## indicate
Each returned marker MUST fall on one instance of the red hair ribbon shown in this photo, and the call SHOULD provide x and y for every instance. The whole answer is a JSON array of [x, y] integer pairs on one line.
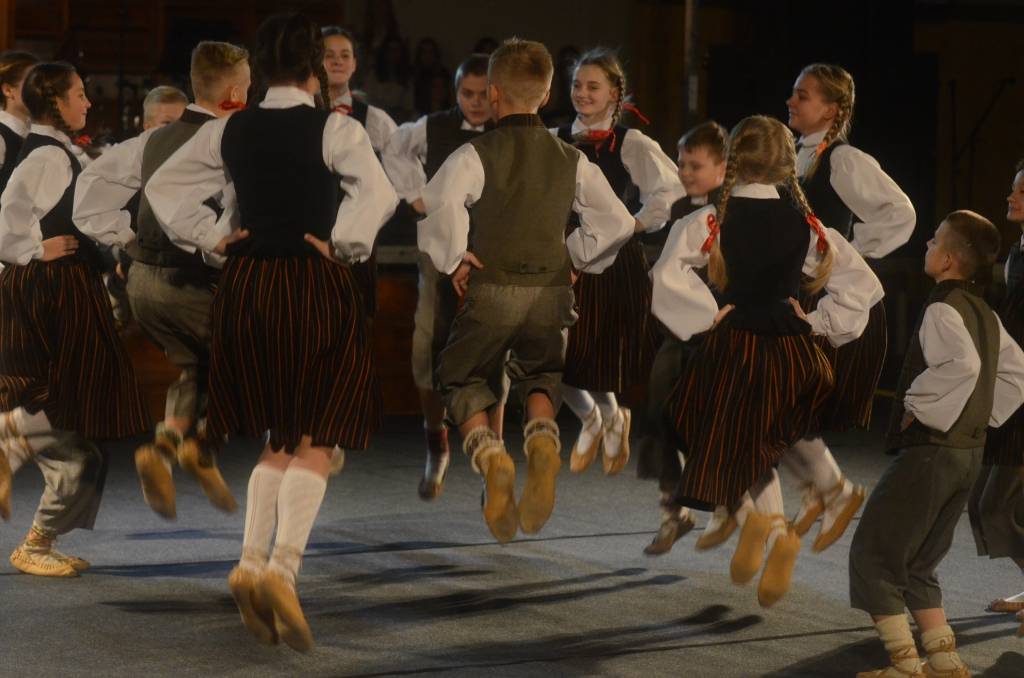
[[344, 109], [712, 234], [819, 229], [636, 111], [82, 140], [231, 105]]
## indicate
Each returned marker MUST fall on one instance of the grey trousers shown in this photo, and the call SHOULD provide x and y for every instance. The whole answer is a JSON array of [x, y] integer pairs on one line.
[[907, 529], [996, 508], [521, 330], [177, 319]]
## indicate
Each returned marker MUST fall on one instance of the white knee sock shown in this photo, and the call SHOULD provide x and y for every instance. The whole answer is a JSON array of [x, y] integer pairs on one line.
[[607, 403], [298, 502], [895, 634], [940, 645], [580, 402], [767, 495], [819, 465], [260, 515]]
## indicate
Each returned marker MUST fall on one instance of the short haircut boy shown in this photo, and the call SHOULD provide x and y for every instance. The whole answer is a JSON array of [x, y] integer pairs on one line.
[[709, 135], [521, 70], [474, 64], [976, 244], [212, 64], [164, 94]]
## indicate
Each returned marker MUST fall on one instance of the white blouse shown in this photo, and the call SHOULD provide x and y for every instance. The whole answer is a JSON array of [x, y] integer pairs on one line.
[[196, 172], [16, 125], [379, 124], [405, 154], [687, 307]]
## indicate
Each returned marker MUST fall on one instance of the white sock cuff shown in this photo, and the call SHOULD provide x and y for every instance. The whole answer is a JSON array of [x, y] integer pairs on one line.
[[932, 636]]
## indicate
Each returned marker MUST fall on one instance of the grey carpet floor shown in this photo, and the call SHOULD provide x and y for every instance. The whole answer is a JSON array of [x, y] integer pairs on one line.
[[394, 586]]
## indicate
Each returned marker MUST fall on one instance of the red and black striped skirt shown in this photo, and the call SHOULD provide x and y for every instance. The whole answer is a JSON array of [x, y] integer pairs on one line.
[[857, 367], [1005, 445], [290, 353], [742, 401], [612, 345], [60, 351]]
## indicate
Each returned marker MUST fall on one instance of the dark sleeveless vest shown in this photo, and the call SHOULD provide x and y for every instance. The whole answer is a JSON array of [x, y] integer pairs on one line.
[[12, 145], [1014, 267], [58, 220], [275, 159], [824, 200], [610, 161], [444, 136]]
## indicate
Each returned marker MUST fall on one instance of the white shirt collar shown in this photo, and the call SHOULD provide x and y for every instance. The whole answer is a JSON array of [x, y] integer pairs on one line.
[[578, 126], [812, 140], [196, 108], [286, 96], [51, 131], [760, 191], [17, 125], [698, 200], [343, 99], [472, 128]]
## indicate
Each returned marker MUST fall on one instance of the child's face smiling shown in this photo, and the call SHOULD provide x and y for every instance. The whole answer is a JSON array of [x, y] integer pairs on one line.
[[339, 60], [1015, 201], [699, 171], [74, 105], [808, 110], [592, 93]]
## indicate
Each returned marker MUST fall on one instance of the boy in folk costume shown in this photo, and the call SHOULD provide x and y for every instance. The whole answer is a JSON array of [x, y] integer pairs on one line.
[[411, 158], [520, 184], [170, 290], [961, 374]]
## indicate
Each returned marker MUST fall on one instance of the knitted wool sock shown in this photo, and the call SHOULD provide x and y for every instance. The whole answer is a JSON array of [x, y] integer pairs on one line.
[[895, 635], [260, 514], [298, 503], [940, 646]]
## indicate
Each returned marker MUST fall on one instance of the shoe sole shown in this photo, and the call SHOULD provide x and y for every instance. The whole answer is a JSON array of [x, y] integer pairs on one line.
[[618, 462], [244, 592], [289, 623], [157, 483], [538, 500], [660, 547], [778, 570], [1004, 607], [209, 477], [804, 525], [66, 572], [749, 556], [710, 540], [826, 539], [499, 503]]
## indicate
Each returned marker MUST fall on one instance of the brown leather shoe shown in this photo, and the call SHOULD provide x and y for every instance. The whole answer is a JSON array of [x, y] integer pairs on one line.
[[672, 530], [157, 483], [41, 563], [289, 621], [538, 498], [434, 474], [847, 509], [499, 501], [613, 465], [589, 442], [201, 466], [749, 555], [259, 619], [716, 533], [778, 570], [79, 564]]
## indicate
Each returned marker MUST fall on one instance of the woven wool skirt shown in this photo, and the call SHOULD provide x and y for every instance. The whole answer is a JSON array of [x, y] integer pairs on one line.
[[290, 354], [612, 345], [743, 399], [60, 352], [1005, 445], [857, 367]]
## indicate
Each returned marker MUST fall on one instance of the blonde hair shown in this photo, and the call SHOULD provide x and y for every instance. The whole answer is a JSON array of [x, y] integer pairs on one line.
[[164, 94], [521, 70], [836, 87], [761, 151], [609, 63], [212, 64]]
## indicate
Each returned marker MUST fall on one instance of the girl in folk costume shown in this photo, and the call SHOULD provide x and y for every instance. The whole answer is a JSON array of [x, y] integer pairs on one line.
[[848, 190], [14, 115], [289, 350], [996, 503], [758, 377], [612, 345], [53, 311]]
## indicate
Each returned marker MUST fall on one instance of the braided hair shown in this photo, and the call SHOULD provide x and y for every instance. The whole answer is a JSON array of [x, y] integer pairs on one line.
[[290, 49], [761, 151], [609, 63], [44, 85], [836, 86], [13, 65]]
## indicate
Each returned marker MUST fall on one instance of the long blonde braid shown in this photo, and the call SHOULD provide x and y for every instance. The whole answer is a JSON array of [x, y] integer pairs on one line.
[[717, 273], [836, 86], [824, 268]]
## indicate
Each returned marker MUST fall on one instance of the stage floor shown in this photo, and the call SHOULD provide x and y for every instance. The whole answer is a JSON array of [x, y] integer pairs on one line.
[[395, 586]]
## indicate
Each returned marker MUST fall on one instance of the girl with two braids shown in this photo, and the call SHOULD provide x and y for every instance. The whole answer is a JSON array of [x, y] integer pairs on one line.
[[612, 345], [850, 193], [290, 353], [65, 378], [758, 376]]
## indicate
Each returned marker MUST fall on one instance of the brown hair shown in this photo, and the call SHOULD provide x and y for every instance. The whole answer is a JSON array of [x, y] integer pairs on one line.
[[836, 87], [212, 64], [709, 135], [609, 63], [975, 244], [13, 65], [474, 64], [164, 94], [522, 70], [761, 151], [44, 84]]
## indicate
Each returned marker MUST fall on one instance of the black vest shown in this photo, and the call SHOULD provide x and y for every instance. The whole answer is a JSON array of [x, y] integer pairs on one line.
[[12, 145], [610, 161], [359, 111], [275, 159], [1014, 268], [58, 220], [444, 136], [824, 200]]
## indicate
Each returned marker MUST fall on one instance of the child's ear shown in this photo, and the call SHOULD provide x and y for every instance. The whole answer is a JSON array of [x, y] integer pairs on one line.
[[544, 102]]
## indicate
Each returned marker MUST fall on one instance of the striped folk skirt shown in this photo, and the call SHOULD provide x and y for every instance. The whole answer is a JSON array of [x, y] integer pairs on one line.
[[290, 353], [742, 401], [857, 367], [612, 345], [1005, 445], [60, 352]]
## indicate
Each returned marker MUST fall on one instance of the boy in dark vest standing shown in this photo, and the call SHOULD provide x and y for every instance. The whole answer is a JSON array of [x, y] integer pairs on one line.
[[518, 185], [961, 374], [170, 290], [411, 158]]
